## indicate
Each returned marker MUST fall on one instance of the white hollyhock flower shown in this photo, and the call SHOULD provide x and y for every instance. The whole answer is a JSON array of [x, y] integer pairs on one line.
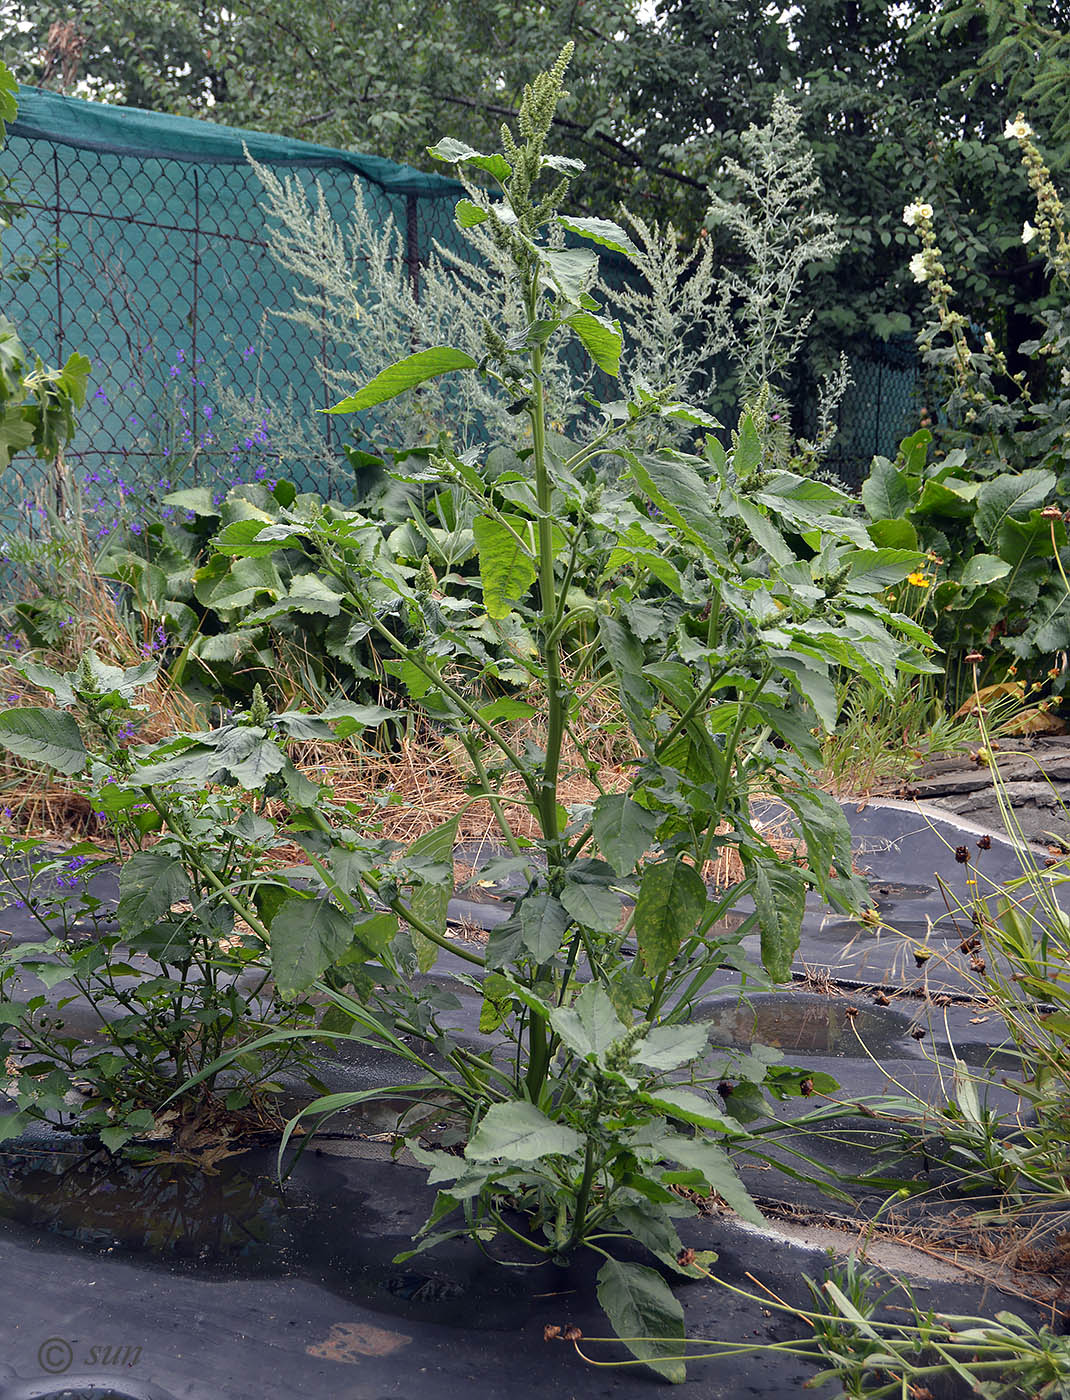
[[918, 269], [1028, 232], [913, 212], [1018, 129]]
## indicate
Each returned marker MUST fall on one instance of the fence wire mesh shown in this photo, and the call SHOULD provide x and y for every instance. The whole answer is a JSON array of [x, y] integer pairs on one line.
[[155, 264]]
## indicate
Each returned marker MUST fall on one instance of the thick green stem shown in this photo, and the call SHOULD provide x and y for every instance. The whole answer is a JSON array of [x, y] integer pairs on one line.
[[557, 709]]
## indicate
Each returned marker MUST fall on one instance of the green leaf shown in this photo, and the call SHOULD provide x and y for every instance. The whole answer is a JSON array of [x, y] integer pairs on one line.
[[590, 1026], [602, 339], [506, 562], [626, 656], [983, 569], [874, 570], [46, 679], [893, 534], [518, 1132], [593, 906], [570, 270], [543, 921], [458, 153], [671, 900], [668, 1047], [16, 433], [717, 1170], [9, 91], [149, 883], [43, 736], [1012, 495], [308, 936], [779, 900], [623, 831], [198, 500], [885, 492], [115, 1136], [224, 585], [405, 374], [602, 231], [681, 494], [762, 530], [747, 453], [643, 1311], [469, 214], [689, 1108], [308, 594]]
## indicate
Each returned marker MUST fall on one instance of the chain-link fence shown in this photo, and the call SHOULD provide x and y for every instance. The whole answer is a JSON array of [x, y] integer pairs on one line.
[[146, 241]]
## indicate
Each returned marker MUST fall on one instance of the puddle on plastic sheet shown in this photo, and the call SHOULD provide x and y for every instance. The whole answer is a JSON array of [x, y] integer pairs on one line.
[[811, 1025], [241, 1222]]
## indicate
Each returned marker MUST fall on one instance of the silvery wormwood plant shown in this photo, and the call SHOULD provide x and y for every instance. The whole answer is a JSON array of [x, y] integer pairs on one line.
[[726, 596]]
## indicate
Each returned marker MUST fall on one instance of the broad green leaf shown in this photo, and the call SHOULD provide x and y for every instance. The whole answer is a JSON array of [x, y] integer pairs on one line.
[[9, 92], [506, 562], [308, 593], [226, 584], [518, 1132], [747, 453], [626, 656], [602, 231], [249, 757], [346, 718], [469, 214], [673, 679], [643, 1311], [543, 921], [717, 1169], [689, 1108], [670, 903], [16, 433], [457, 153], [893, 534], [405, 374], [983, 569], [680, 493], [50, 737], [570, 270], [874, 570], [1011, 496], [505, 708], [668, 1047], [590, 1026], [779, 899], [308, 936], [885, 492], [594, 906], [762, 530], [198, 500], [601, 338], [46, 679], [239, 537], [813, 682], [149, 883], [623, 831]]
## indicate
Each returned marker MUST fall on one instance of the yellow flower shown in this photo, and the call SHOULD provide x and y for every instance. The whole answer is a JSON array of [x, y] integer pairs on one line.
[[919, 580]]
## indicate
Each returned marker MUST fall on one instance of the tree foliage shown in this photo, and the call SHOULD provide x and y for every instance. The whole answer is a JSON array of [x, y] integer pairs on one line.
[[898, 102]]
